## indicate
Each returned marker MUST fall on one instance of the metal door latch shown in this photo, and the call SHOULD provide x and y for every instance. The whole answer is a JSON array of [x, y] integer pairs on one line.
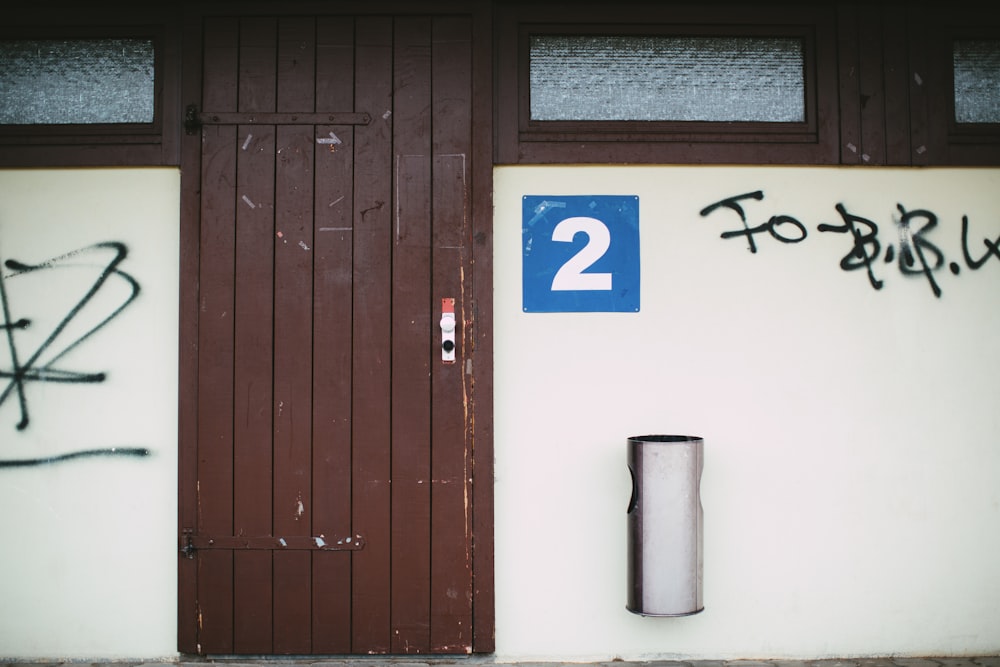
[[448, 331]]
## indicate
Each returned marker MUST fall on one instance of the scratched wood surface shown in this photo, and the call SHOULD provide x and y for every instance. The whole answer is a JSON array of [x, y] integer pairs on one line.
[[451, 557], [324, 408], [333, 335], [253, 150], [216, 344], [371, 419], [411, 328], [293, 257]]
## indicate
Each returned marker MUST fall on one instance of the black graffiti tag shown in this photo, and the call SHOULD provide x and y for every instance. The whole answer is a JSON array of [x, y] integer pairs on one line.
[[866, 248], [771, 226], [918, 255], [40, 364], [914, 247], [992, 249]]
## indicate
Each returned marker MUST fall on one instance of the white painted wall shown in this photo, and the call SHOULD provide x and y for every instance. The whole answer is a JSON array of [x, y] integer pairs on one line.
[[852, 435], [851, 498], [90, 548]]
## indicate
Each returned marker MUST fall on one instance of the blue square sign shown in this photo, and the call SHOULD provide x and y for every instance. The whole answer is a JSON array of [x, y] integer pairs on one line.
[[580, 253]]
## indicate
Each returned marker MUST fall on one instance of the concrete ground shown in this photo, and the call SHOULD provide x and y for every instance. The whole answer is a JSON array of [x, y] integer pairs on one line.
[[485, 661]]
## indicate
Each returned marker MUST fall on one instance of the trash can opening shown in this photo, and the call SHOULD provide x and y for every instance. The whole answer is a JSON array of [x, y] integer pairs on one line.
[[665, 438]]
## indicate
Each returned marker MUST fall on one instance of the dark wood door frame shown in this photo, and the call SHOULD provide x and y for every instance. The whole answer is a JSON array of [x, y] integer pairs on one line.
[[479, 356]]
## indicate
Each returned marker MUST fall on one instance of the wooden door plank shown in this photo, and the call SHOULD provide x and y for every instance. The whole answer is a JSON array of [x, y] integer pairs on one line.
[[215, 336], [332, 275], [849, 61], [296, 87], [252, 445], [411, 337], [257, 65], [480, 339], [372, 322], [451, 548], [292, 602], [215, 438], [293, 275], [253, 368], [187, 427]]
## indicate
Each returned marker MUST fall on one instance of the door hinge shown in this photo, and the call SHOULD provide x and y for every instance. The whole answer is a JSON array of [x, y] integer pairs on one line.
[[191, 543], [187, 544], [192, 125]]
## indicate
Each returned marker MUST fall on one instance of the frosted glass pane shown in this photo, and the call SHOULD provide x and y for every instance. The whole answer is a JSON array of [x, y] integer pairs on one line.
[[587, 77], [977, 81], [76, 81]]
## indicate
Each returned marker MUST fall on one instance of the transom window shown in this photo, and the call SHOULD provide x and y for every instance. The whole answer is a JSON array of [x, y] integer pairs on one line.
[[977, 80], [666, 78], [77, 81]]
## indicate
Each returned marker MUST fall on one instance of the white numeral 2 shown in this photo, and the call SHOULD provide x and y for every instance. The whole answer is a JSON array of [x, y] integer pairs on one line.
[[571, 275]]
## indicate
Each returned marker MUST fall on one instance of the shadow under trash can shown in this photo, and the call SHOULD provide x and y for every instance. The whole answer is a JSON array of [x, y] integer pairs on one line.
[[665, 525]]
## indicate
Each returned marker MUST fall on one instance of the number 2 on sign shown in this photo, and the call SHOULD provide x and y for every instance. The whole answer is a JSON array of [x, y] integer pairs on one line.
[[571, 275]]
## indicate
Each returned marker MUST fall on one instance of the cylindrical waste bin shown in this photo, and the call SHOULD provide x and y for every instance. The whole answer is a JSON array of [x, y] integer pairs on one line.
[[665, 525]]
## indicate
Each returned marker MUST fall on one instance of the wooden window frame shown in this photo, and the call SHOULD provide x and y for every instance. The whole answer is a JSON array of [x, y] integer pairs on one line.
[[101, 144], [937, 139], [523, 140], [967, 142]]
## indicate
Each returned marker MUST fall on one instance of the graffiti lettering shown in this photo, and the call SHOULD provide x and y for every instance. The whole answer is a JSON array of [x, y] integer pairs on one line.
[[87, 453], [992, 248], [866, 246], [770, 226], [918, 255], [40, 364], [913, 244]]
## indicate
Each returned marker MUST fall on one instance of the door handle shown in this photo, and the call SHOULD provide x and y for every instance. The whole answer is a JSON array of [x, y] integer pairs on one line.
[[448, 331]]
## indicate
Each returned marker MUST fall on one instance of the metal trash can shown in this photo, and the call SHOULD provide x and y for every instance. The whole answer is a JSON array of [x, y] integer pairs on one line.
[[665, 525]]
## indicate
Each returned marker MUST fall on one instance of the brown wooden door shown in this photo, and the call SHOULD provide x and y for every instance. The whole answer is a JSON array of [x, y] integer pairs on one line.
[[326, 494]]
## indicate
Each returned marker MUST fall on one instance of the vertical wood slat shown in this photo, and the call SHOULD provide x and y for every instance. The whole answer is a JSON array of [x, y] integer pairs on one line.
[[480, 353], [257, 65], [190, 238], [897, 87], [253, 377], [372, 322], [411, 337], [872, 86], [451, 575], [293, 275], [508, 92], [333, 248], [832, 130], [296, 87], [928, 146], [215, 469], [252, 443], [849, 81], [215, 343]]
